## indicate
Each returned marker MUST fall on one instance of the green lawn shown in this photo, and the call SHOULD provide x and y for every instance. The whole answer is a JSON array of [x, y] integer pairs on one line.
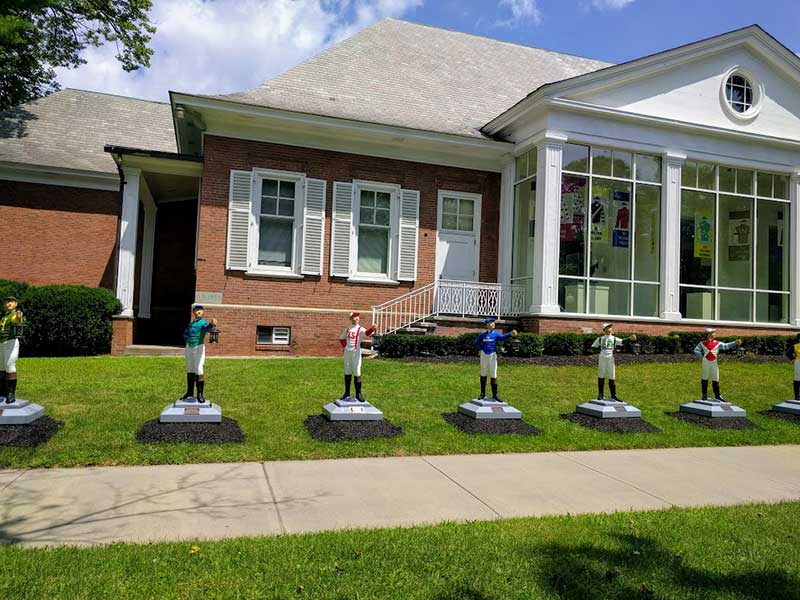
[[103, 401], [740, 553]]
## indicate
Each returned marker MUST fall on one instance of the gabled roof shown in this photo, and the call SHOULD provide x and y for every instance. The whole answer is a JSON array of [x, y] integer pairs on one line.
[[416, 76], [69, 129]]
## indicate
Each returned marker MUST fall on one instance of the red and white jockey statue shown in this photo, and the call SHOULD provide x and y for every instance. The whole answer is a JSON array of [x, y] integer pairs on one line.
[[708, 350], [350, 340]]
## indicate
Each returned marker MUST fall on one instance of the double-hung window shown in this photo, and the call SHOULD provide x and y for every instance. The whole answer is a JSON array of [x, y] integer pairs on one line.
[[277, 209], [375, 216]]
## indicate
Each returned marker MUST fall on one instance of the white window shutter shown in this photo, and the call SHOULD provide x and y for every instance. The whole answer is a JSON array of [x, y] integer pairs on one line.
[[314, 226], [408, 233], [341, 228], [239, 220]]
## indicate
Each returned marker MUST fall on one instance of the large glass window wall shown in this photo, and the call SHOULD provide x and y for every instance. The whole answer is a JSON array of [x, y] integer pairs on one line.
[[524, 230]]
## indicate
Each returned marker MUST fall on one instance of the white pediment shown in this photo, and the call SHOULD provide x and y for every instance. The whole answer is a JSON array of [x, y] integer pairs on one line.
[[690, 90]]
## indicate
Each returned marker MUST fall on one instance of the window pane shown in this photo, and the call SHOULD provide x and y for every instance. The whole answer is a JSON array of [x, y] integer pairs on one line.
[[622, 164], [466, 207], [696, 303], [609, 298], [382, 199], [269, 187], [744, 182], [573, 225], [735, 306], [367, 216], [532, 161], [275, 243], [689, 174], [705, 176], [523, 233], [736, 242], [727, 179], [781, 187], [367, 198], [648, 168], [772, 256], [772, 308], [450, 205], [263, 335], [764, 185], [521, 169], [610, 230], [645, 300], [601, 161], [382, 217], [575, 158], [697, 238], [287, 189], [647, 232], [449, 221], [572, 295], [465, 223], [373, 250], [269, 206], [286, 208]]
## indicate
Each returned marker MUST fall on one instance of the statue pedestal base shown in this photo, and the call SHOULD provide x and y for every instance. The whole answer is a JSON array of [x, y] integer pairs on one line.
[[713, 408], [20, 412], [486, 408], [608, 409], [351, 409], [191, 411], [791, 407]]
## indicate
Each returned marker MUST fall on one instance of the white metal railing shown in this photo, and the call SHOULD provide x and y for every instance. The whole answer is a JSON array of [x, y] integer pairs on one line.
[[448, 297]]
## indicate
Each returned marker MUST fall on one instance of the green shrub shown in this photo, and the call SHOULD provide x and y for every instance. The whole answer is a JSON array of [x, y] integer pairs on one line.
[[529, 345], [12, 288], [564, 344], [666, 344], [68, 320]]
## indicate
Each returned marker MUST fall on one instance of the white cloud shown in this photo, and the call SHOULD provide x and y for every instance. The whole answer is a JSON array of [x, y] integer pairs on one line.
[[222, 46], [611, 4], [522, 10]]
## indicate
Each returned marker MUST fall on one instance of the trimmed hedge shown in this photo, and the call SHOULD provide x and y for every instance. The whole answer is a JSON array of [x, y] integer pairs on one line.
[[12, 288], [66, 320], [565, 344]]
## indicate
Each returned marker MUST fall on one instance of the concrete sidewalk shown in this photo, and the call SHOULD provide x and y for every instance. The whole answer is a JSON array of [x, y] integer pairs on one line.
[[213, 501]]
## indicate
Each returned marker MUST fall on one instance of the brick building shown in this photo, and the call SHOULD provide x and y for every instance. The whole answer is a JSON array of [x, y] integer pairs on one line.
[[424, 176]]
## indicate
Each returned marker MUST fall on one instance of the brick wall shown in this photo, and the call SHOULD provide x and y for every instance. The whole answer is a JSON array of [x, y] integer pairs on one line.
[[221, 155], [58, 234]]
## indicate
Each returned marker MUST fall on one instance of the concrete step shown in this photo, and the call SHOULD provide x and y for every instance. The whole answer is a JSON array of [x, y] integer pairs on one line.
[[145, 350]]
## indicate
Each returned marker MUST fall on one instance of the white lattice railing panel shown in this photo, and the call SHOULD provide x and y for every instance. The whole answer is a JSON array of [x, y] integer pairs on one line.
[[446, 297]]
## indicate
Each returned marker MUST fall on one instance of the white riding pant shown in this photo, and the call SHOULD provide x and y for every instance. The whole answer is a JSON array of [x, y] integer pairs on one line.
[[489, 365], [711, 369], [195, 359], [10, 353], [606, 369], [352, 362]]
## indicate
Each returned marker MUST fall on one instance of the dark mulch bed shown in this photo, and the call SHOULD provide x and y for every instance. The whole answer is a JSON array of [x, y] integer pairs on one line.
[[621, 425], [324, 430], [226, 432], [775, 414], [28, 436], [469, 425], [715, 422], [588, 360]]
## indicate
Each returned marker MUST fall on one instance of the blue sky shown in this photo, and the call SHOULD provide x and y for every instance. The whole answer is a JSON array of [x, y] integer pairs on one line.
[[221, 46]]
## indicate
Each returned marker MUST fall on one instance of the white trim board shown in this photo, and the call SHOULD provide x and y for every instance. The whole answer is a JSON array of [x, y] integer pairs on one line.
[[61, 177]]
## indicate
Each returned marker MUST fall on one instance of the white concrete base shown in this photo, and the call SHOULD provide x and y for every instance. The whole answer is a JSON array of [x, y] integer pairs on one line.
[[191, 411], [350, 409], [791, 407], [608, 409], [713, 408], [20, 412], [487, 408]]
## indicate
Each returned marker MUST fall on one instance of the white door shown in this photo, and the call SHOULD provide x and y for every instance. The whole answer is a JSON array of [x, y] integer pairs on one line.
[[458, 236]]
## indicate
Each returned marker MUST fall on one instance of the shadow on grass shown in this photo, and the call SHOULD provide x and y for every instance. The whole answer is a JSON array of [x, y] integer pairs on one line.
[[588, 572]]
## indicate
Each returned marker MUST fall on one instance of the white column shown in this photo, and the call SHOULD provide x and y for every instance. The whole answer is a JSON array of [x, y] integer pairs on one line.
[[126, 262], [148, 249], [548, 225], [672, 166], [506, 233], [794, 255]]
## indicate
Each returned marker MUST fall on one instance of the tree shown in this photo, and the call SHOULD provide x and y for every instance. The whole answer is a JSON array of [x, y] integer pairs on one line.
[[36, 36]]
